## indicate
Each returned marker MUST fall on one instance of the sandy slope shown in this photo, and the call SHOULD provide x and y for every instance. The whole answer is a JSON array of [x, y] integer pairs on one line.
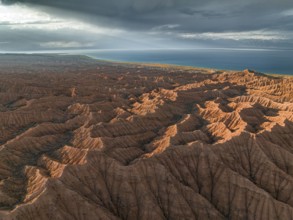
[[106, 141]]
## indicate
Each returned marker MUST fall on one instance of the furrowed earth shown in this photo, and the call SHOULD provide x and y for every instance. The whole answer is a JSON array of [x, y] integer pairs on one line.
[[88, 139]]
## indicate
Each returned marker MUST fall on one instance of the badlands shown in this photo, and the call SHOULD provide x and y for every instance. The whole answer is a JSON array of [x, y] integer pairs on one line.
[[87, 139]]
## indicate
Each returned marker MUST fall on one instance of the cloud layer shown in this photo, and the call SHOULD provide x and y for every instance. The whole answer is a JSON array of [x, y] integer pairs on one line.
[[130, 24]]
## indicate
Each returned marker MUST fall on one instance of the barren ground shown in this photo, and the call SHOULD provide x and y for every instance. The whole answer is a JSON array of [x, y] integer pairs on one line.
[[85, 139]]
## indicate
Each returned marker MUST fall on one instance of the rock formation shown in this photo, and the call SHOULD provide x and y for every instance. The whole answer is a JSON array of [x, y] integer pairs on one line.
[[144, 142]]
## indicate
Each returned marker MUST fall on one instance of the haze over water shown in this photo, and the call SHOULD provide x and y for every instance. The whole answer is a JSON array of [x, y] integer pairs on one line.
[[267, 61]]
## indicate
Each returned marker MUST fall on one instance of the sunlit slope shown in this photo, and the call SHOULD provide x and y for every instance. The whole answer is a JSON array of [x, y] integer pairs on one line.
[[97, 140]]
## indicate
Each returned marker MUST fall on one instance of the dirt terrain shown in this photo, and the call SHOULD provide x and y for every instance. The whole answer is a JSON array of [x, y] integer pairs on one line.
[[85, 139]]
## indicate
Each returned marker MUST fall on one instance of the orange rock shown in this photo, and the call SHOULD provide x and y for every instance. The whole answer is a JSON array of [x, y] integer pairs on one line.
[[145, 142]]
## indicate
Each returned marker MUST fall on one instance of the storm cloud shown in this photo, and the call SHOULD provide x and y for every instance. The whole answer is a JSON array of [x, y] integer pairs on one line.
[[138, 24]]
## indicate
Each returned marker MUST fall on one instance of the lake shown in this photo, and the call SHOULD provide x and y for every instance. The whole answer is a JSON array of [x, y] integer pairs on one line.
[[267, 61]]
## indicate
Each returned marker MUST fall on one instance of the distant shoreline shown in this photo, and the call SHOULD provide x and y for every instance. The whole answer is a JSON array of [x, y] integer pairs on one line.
[[182, 66], [265, 61], [150, 64], [146, 64]]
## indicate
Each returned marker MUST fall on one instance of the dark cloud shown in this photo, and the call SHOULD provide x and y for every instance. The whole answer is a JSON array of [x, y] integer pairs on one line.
[[171, 22]]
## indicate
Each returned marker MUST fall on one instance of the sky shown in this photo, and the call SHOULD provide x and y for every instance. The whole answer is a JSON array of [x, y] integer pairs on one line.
[[41, 25]]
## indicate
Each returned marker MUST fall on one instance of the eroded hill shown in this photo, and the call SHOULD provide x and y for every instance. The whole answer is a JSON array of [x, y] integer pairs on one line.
[[95, 140]]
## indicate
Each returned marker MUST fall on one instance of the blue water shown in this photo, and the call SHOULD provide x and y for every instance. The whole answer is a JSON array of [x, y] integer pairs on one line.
[[266, 61]]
